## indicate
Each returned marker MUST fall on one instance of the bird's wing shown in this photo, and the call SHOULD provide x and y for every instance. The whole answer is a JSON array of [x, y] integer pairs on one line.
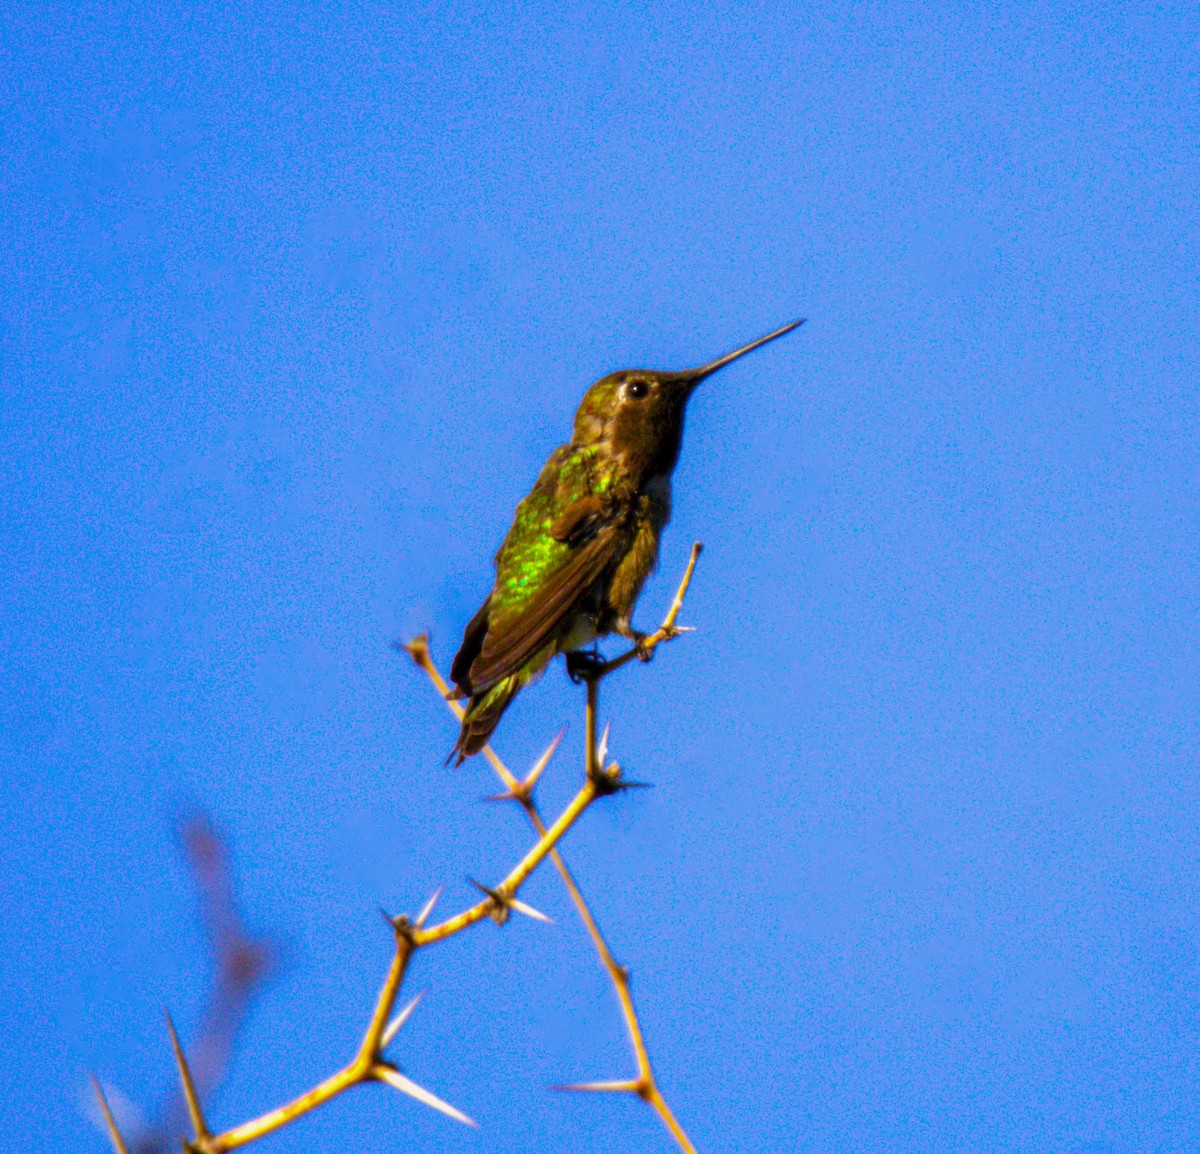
[[472, 643], [559, 572]]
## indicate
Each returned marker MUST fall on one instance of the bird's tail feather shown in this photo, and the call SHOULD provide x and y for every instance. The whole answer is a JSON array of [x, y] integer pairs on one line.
[[482, 715]]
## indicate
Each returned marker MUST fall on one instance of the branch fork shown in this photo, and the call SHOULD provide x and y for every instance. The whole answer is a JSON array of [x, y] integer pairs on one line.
[[368, 1064], [607, 777]]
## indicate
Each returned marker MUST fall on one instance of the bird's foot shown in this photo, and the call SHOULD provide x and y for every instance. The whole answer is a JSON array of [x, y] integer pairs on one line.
[[645, 652], [584, 665]]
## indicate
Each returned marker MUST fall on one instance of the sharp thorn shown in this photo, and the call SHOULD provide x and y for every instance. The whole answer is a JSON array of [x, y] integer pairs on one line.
[[189, 1087], [528, 910], [398, 1081], [602, 752], [543, 761], [393, 1027], [114, 1135], [493, 894], [427, 908], [417, 648], [500, 904], [625, 1087], [507, 795], [503, 904]]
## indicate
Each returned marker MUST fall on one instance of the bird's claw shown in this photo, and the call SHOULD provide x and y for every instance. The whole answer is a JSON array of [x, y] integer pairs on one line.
[[583, 666]]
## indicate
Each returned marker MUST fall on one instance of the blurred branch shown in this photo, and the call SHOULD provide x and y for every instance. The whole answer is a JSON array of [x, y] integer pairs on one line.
[[242, 965], [369, 1063], [521, 791]]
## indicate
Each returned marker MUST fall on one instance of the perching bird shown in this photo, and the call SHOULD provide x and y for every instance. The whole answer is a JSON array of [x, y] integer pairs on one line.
[[583, 541]]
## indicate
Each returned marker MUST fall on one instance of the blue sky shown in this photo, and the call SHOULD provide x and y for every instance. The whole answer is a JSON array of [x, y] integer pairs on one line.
[[293, 305]]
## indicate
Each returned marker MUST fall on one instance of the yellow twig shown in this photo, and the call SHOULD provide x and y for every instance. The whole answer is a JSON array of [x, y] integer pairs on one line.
[[644, 1085], [667, 631], [372, 1041], [357, 1071], [509, 886], [367, 1064]]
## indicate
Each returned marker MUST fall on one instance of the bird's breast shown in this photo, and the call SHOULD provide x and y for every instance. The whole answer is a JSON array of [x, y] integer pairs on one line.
[[657, 492]]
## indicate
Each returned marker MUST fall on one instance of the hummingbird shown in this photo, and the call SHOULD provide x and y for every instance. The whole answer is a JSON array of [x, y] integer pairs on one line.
[[582, 543]]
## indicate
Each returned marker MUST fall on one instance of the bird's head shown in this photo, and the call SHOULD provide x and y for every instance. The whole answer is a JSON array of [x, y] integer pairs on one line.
[[638, 413]]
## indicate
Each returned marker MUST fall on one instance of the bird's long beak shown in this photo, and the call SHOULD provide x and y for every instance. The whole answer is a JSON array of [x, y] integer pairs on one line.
[[692, 377]]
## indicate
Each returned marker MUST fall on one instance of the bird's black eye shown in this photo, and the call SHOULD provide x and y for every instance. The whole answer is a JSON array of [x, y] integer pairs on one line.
[[637, 389]]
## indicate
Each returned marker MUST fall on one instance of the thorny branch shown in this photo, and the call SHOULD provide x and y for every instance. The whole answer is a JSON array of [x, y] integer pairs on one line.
[[521, 791], [369, 1063]]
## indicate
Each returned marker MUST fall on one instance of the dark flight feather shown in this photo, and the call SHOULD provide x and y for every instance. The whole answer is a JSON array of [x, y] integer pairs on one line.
[[472, 643]]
